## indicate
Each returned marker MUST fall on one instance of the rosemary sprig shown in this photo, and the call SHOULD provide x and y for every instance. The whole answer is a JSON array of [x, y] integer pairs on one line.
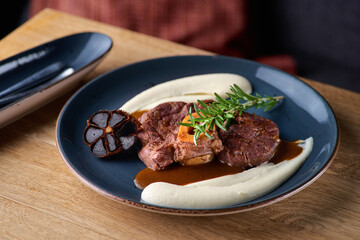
[[221, 112]]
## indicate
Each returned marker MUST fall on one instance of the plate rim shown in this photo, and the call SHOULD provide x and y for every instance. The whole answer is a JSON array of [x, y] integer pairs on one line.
[[195, 212]]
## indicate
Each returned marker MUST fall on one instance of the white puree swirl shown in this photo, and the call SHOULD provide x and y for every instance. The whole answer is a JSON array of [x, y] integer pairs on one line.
[[187, 89], [227, 190]]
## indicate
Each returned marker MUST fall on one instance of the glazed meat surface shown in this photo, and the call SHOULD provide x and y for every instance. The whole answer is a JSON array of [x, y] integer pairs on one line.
[[159, 137], [159, 133], [249, 141], [205, 146]]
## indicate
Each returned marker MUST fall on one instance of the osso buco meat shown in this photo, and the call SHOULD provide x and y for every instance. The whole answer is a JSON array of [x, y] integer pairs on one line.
[[249, 141]]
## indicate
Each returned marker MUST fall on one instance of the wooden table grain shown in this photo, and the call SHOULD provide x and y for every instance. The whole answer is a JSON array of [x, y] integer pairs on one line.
[[41, 199]]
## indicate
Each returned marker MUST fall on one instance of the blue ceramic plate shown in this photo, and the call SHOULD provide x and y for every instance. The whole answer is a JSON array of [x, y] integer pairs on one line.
[[76, 55], [304, 113]]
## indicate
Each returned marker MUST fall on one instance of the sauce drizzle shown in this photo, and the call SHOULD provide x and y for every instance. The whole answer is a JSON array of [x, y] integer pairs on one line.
[[138, 114], [182, 175], [286, 150]]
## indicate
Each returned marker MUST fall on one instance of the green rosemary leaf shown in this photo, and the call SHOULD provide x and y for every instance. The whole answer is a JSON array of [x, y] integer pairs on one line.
[[212, 124], [198, 112], [198, 127], [270, 106], [203, 104], [217, 122], [221, 112], [221, 118], [228, 122], [201, 119], [220, 99], [185, 124], [208, 135], [196, 136], [191, 116], [229, 115], [205, 112]]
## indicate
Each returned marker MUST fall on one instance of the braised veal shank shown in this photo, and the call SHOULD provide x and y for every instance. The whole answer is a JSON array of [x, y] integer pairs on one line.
[[249, 141], [159, 137]]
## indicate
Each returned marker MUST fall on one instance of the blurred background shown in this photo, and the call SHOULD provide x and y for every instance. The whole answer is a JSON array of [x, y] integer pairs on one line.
[[319, 39]]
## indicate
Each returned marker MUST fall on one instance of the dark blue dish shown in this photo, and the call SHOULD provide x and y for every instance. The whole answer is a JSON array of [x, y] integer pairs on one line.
[[302, 114], [32, 78]]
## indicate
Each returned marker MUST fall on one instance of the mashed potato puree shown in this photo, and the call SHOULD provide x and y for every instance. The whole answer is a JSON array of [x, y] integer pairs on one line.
[[227, 190], [187, 89]]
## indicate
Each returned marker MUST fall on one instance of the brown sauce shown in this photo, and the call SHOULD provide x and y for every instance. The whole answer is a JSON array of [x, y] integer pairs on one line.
[[286, 150], [138, 114], [182, 175]]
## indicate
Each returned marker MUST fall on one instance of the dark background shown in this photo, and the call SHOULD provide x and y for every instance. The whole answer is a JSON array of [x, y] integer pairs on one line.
[[323, 35], [12, 14]]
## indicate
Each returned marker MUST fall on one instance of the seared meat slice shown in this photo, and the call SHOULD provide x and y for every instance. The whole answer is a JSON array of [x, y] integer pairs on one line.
[[249, 141], [187, 153], [159, 132], [157, 155], [160, 122], [161, 147]]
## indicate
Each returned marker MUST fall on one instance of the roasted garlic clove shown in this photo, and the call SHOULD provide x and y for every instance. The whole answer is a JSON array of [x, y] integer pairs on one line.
[[110, 132]]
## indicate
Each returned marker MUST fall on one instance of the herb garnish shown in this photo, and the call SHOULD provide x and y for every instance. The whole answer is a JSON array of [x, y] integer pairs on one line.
[[221, 112]]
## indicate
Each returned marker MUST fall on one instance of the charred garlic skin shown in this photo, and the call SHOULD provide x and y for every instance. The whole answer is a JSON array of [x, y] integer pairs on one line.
[[110, 132]]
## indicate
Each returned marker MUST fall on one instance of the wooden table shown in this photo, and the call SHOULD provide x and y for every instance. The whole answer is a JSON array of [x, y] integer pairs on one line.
[[41, 199]]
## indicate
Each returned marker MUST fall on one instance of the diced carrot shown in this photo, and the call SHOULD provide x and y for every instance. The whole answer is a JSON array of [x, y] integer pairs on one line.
[[186, 134]]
